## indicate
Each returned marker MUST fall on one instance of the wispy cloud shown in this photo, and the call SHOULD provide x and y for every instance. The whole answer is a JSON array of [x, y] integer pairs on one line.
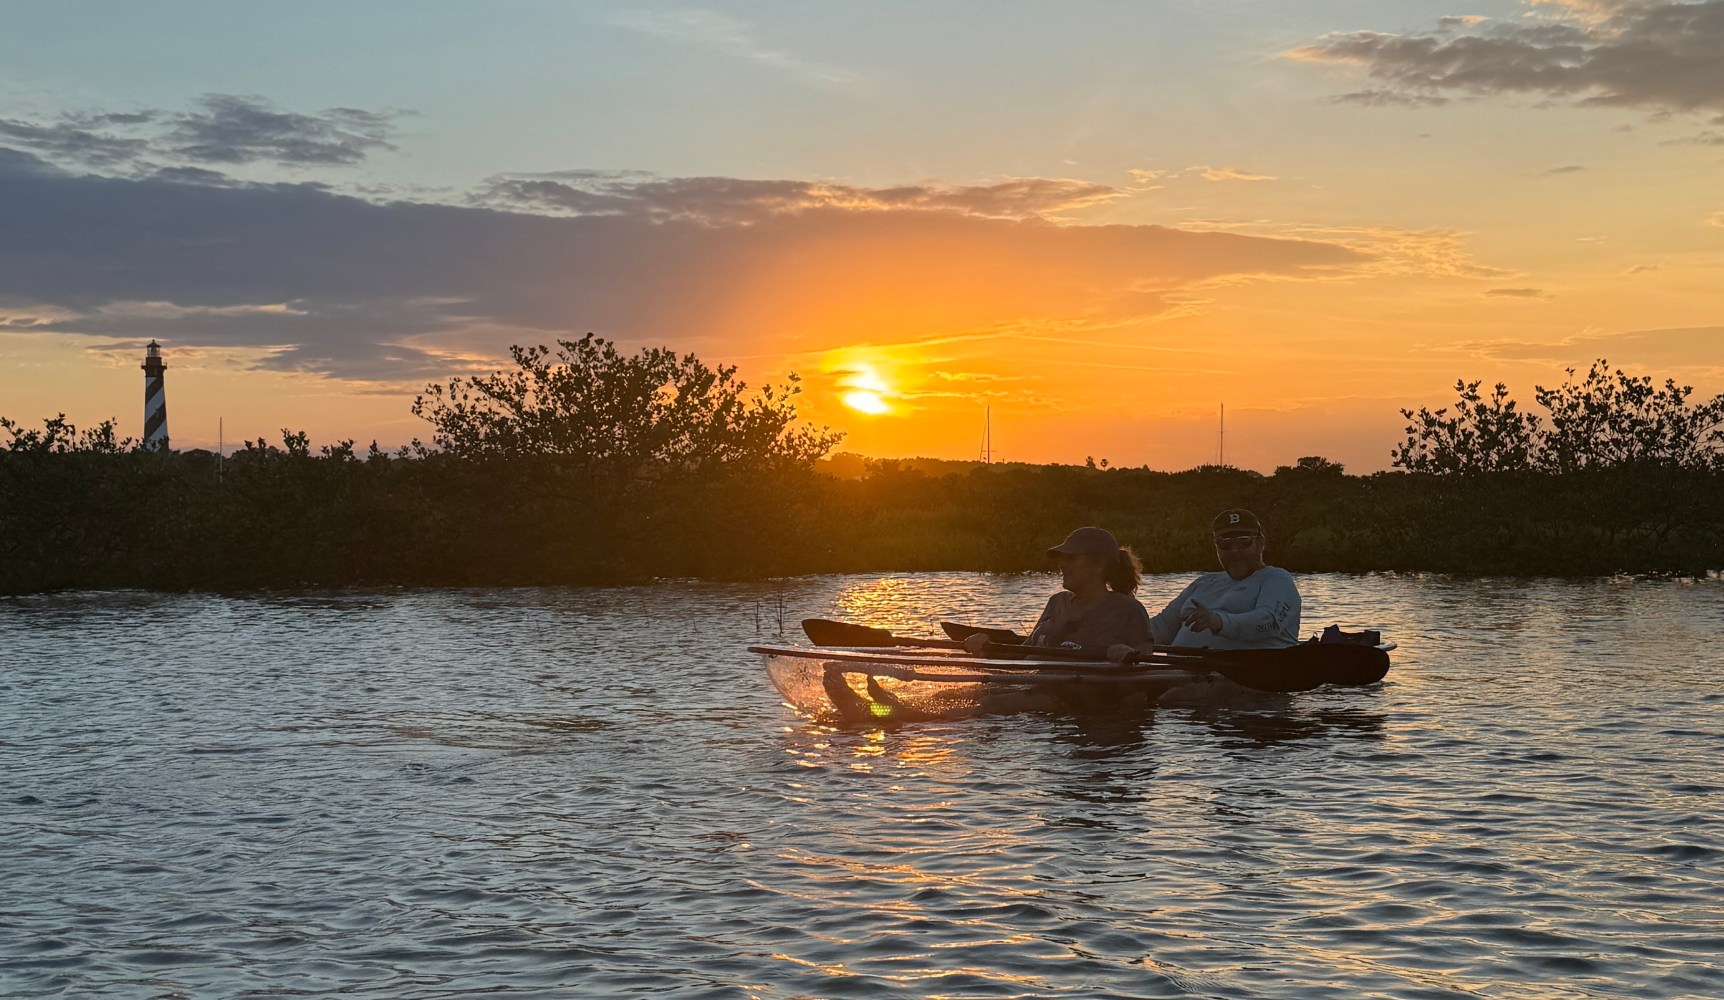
[[717, 32], [1674, 348], [729, 200], [74, 139], [220, 129], [232, 129], [1716, 219], [1517, 293], [1382, 98], [1210, 173], [1387, 250]]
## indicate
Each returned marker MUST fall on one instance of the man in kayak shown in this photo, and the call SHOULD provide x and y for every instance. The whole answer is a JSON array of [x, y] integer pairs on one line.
[[1248, 605]]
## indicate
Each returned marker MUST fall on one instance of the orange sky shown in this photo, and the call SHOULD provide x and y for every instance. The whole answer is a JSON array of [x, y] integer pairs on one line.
[[1330, 221]]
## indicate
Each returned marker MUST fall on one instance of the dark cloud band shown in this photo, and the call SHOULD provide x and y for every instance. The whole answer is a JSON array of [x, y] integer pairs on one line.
[[351, 288]]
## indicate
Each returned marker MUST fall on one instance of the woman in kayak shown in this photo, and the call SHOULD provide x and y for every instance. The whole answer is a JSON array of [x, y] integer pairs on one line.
[[1096, 609]]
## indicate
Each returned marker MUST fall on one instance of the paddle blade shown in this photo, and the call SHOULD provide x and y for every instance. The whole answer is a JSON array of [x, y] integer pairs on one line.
[[962, 632], [822, 632]]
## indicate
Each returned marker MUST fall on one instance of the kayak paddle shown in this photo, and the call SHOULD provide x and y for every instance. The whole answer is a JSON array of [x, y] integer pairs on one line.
[[824, 632], [961, 632]]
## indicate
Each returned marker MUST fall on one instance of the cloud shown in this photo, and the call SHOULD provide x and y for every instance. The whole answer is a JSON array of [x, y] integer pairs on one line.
[[1517, 293], [1654, 54], [1570, 169], [221, 129], [1440, 253], [724, 34], [17, 163], [1209, 173], [1716, 219], [729, 201], [74, 141], [334, 284], [1391, 98], [1676, 348], [234, 130]]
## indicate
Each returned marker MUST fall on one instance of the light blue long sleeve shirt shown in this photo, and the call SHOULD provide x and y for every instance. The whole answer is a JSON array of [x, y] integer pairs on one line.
[[1258, 612]]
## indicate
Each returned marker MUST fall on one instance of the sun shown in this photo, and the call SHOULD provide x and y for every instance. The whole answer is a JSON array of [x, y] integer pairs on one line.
[[865, 401], [864, 391]]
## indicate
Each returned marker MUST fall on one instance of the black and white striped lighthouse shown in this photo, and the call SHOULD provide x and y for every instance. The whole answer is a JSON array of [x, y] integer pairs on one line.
[[155, 399]]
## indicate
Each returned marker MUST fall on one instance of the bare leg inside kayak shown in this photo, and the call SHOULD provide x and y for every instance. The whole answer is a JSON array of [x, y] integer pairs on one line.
[[896, 710], [849, 705]]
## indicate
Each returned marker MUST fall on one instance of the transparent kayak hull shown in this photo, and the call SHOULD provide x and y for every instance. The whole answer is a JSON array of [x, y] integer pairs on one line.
[[852, 685]]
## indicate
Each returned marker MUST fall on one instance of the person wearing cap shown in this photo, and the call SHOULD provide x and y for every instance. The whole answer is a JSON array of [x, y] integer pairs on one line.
[[1248, 605], [1096, 608]]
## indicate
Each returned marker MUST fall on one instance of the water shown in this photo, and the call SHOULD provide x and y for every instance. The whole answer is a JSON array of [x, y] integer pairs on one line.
[[563, 793]]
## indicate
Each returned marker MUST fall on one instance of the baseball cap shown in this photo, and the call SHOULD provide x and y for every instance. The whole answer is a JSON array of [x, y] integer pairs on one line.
[[1087, 541], [1235, 521]]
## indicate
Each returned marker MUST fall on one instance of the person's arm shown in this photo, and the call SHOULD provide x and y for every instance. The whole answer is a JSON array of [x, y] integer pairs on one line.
[[1165, 624], [1276, 615]]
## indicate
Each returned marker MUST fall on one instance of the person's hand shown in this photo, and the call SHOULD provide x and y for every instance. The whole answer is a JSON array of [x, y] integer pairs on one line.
[[1119, 652], [1200, 619], [977, 645]]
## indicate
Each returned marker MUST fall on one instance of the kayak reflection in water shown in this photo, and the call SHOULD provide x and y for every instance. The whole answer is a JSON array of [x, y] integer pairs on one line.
[[1096, 609], [1248, 605]]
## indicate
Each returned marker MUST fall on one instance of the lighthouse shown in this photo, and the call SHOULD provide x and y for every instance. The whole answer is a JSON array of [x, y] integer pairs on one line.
[[155, 399]]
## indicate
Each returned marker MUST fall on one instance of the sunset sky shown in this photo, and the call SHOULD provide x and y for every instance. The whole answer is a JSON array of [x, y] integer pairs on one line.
[[1103, 220]]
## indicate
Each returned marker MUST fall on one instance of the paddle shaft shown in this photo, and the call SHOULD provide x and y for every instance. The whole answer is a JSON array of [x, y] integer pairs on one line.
[[999, 676], [999, 635]]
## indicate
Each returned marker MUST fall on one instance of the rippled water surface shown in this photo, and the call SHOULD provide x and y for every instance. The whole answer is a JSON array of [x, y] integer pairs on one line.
[[594, 793]]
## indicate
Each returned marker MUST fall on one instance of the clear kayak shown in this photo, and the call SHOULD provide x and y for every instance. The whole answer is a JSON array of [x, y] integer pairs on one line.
[[871, 684]]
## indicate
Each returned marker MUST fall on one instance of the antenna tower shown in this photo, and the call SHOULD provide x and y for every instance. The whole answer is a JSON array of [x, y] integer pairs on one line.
[[988, 436], [1221, 439]]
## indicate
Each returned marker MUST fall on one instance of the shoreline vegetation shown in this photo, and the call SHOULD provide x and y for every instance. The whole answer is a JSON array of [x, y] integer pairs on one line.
[[583, 465]]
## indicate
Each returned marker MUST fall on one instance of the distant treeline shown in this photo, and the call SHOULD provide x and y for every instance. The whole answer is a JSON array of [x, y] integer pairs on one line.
[[585, 466]]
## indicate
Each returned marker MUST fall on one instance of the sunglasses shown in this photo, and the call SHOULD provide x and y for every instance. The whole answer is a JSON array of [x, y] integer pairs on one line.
[[1237, 541]]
